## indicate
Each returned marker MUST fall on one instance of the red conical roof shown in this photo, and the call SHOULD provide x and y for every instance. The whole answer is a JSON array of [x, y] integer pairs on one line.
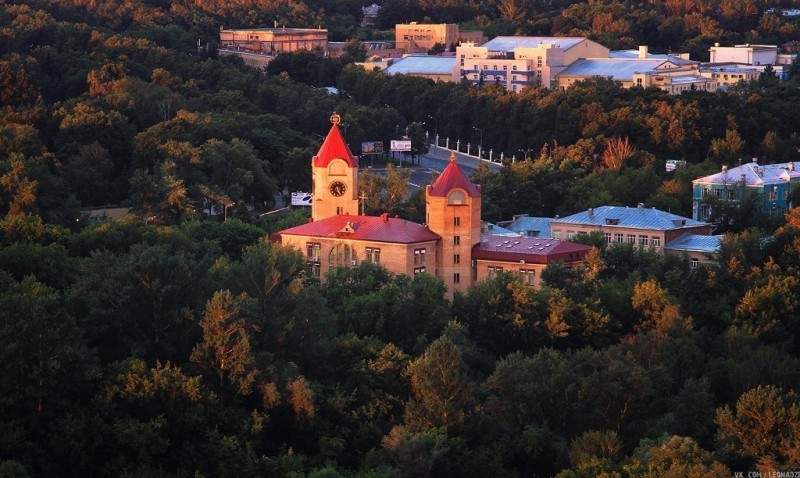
[[452, 178], [334, 147]]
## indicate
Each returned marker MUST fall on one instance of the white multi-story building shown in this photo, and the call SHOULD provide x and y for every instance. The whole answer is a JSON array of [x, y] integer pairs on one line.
[[752, 57], [517, 62]]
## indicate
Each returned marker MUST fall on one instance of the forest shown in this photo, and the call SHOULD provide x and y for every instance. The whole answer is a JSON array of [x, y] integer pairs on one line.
[[179, 341]]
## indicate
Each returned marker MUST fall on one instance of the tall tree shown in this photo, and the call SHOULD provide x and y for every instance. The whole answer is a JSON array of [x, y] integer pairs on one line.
[[225, 348]]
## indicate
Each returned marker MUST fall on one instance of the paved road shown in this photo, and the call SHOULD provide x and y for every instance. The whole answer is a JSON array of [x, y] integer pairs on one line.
[[436, 160]]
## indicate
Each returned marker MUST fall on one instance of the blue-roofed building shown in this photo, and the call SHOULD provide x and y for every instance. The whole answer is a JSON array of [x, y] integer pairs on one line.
[[671, 73], [698, 248], [517, 62], [771, 182], [645, 227], [527, 226], [437, 68]]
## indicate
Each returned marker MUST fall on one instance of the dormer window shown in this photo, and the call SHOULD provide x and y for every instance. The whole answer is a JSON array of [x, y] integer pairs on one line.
[[612, 221]]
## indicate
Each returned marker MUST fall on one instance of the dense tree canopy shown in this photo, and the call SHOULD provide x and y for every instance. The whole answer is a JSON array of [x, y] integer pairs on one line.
[[179, 341]]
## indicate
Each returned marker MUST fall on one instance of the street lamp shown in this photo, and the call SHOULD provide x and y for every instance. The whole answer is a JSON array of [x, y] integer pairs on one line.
[[480, 145], [225, 211]]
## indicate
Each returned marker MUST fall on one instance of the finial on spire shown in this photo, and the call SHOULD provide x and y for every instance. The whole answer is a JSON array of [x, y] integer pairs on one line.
[[335, 118], [452, 155]]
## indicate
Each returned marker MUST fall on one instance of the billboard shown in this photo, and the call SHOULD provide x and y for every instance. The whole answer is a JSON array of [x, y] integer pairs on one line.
[[401, 145], [372, 147], [301, 199], [673, 164]]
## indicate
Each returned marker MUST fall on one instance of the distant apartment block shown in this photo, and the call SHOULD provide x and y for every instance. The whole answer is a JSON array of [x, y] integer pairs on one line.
[[640, 226], [648, 228], [421, 37], [751, 57], [727, 75], [771, 183], [518, 62], [273, 41]]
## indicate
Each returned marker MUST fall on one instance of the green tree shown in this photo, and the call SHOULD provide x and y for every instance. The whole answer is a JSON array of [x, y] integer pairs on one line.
[[674, 456], [765, 426], [442, 394], [419, 140], [225, 348], [44, 360]]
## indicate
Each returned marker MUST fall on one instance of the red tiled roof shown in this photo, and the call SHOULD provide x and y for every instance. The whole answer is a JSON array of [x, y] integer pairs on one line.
[[532, 250], [452, 178], [365, 228], [334, 147]]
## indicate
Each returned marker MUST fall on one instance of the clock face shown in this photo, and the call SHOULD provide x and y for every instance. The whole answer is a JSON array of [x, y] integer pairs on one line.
[[338, 188]]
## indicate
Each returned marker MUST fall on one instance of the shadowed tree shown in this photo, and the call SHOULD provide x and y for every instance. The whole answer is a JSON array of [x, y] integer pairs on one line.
[[442, 393], [225, 348]]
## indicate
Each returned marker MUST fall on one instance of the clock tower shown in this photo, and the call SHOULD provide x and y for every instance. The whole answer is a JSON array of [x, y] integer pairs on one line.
[[334, 181]]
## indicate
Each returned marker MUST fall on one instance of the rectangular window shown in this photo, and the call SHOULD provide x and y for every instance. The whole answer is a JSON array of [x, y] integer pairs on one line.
[[495, 67], [456, 221], [419, 257], [419, 270], [643, 240], [655, 241], [570, 235], [373, 255], [456, 240], [773, 195], [785, 195], [631, 238], [619, 238], [528, 275], [505, 67], [607, 235], [339, 210], [456, 258], [694, 263], [313, 251], [557, 235], [493, 271], [718, 192], [704, 192], [456, 278], [514, 67]]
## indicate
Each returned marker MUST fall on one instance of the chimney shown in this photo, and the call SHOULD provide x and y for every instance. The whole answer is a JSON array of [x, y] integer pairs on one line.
[[724, 168], [790, 166], [640, 205], [643, 52], [385, 217]]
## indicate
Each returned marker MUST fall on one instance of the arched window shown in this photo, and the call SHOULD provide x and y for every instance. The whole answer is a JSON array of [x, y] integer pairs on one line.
[[342, 255], [457, 198], [337, 167]]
